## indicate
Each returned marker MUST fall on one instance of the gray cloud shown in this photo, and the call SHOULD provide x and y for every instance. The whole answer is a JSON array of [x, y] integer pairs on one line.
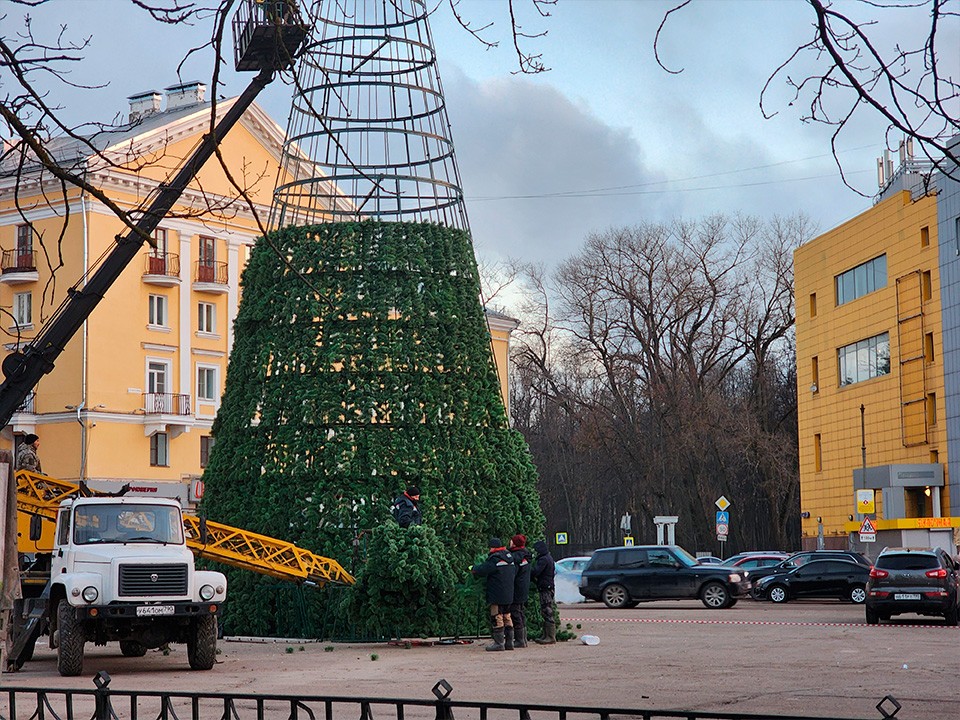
[[516, 138]]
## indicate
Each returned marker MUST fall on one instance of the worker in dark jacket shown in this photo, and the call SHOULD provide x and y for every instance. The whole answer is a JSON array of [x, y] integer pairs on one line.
[[500, 572], [406, 508], [523, 559], [543, 574]]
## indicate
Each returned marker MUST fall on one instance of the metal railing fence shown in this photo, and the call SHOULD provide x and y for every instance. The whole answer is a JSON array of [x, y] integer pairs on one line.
[[102, 703]]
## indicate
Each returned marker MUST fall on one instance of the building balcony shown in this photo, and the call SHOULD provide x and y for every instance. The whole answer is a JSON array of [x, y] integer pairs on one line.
[[211, 277], [27, 406], [166, 413], [161, 269], [166, 404], [18, 267]]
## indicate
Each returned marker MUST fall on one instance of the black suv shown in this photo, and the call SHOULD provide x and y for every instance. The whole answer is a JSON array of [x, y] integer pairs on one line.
[[913, 580], [623, 577]]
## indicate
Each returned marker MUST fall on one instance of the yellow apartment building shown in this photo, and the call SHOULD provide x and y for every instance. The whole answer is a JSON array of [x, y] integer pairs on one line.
[[871, 380], [133, 396]]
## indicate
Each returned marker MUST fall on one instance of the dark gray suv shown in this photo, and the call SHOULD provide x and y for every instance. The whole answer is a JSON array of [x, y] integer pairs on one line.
[[913, 580], [623, 577]]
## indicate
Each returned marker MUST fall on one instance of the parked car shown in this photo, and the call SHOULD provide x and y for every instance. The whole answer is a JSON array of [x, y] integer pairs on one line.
[[828, 577], [572, 565], [623, 577], [805, 556], [709, 560], [768, 557], [759, 565], [913, 580]]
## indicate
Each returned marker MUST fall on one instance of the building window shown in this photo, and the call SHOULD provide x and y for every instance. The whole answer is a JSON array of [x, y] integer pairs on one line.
[[813, 304], [159, 450], [158, 310], [865, 359], [925, 236], [160, 238], [23, 309], [206, 318], [157, 377], [815, 373], [926, 285], [863, 279], [928, 347], [817, 454], [23, 257], [207, 384], [931, 409], [934, 457], [206, 445], [206, 268]]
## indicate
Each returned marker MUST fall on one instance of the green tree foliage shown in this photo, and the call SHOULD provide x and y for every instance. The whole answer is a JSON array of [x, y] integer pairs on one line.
[[360, 366]]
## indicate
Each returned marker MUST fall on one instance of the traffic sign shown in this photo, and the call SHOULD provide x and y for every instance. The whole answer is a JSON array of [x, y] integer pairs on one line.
[[628, 541], [722, 503], [868, 531], [722, 529], [865, 502], [723, 517], [721, 538], [561, 538]]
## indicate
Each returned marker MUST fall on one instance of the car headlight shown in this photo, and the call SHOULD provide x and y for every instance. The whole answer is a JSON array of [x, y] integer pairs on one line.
[[207, 592], [90, 593], [734, 577]]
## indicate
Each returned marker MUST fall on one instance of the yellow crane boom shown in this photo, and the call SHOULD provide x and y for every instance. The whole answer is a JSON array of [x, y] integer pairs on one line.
[[40, 495]]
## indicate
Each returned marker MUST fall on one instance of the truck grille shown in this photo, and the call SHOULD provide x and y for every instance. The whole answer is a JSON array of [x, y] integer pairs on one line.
[[153, 580]]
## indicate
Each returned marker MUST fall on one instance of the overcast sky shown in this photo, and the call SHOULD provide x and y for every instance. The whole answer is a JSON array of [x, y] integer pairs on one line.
[[605, 138]]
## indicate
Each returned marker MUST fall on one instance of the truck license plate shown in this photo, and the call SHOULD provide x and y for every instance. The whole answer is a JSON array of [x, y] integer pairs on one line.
[[906, 596], [150, 610]]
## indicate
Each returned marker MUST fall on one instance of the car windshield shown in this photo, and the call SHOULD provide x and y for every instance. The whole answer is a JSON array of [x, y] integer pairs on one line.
[[127, 523], [684, 557]]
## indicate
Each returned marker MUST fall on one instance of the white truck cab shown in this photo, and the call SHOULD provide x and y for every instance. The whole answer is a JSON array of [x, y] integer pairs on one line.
[[121, 571]]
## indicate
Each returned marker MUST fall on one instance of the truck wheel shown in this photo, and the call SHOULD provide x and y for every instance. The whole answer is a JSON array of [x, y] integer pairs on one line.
[[202, 643], [132, 648], [70, 647]]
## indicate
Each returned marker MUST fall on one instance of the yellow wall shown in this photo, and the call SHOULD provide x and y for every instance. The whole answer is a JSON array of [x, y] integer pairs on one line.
[[892, 227]]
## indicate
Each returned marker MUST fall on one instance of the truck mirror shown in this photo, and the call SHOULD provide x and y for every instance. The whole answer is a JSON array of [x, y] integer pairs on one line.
[[203, 531], [36, 527]]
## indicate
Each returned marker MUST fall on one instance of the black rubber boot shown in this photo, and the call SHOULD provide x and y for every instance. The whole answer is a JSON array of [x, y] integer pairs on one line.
[[549, 635], [520, 636], [508, 638], [497, 643]]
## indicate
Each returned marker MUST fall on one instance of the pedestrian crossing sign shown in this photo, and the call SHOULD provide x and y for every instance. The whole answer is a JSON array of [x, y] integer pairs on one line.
[[628, 541], [561, 538]]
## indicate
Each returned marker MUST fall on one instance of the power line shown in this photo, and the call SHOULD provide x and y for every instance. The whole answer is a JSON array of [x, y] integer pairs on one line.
[[590, 192]]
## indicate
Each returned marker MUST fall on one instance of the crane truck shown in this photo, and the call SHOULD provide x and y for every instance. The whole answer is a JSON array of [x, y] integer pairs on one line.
[[121, 569]]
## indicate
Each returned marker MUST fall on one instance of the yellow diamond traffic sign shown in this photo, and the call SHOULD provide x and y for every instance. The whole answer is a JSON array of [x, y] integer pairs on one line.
[[722, 503]]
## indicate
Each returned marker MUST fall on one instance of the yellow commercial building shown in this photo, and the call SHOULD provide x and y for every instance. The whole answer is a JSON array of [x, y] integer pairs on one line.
[[133, 396], [870, 378]]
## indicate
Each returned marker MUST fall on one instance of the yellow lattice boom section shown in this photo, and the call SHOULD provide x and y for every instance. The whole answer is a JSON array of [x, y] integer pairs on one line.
[[41, 495], [261, 554]]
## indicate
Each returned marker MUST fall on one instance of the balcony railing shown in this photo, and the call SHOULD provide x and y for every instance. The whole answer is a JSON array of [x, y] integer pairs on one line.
[[166, 404], [18, 260], [28, 403], [211, 271], [161, 263]]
